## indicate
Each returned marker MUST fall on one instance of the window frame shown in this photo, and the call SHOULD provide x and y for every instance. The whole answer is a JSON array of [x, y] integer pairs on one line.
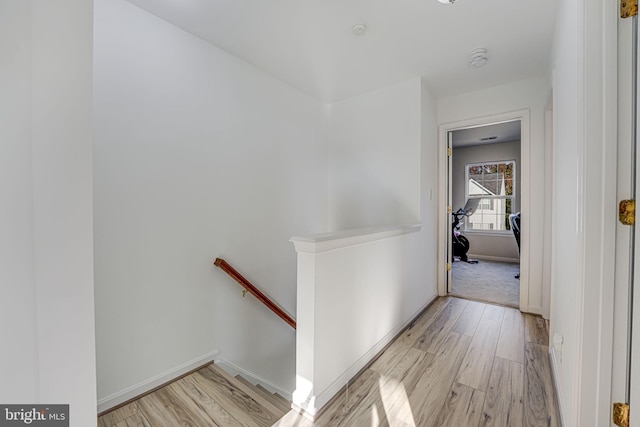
[[467, 166]]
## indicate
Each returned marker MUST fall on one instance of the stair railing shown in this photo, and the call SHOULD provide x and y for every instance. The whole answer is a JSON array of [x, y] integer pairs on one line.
[[249, 287]]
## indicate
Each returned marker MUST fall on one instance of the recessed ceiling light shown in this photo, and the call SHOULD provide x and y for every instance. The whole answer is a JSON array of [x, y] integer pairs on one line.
[[359, 29]]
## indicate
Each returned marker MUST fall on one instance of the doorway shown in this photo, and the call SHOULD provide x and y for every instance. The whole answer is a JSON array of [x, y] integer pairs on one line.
[[485, 201], [492, 155]]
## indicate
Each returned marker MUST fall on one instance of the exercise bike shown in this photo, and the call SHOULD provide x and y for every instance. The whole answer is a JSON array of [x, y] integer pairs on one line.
[[460, 244]]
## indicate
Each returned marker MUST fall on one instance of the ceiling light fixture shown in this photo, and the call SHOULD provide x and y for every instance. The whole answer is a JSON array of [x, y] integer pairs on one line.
[[447, 1], [359, 29], [478, 57]]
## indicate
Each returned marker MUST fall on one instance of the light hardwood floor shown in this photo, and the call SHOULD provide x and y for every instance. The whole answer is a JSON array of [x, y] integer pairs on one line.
[[462, 363], [209, 397]]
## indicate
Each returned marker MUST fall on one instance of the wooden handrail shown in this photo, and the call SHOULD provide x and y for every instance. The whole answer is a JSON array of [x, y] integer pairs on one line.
[[224, 265]]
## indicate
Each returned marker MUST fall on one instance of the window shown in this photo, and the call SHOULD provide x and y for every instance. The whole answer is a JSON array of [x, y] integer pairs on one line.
[[493, 184]]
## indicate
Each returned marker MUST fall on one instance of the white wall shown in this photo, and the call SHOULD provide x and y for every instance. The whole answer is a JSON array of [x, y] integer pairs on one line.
[[383, 171], [424, 256], [47, 314], [198, 155], [567, 123], [339, 329], [374, 169], [486, 244], [529, 95], [354, 296], [17, 274]]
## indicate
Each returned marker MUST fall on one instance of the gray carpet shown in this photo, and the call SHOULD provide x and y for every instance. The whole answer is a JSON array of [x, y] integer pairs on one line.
[[489, 281]]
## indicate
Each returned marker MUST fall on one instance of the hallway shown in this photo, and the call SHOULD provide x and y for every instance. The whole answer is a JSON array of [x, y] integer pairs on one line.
[[462, 363]]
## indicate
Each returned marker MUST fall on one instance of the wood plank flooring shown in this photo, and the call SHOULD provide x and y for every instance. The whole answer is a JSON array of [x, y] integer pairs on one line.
[[209, 397], [462, 363]]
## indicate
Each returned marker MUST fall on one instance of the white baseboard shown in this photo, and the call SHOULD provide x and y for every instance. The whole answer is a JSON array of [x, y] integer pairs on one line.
[[252, 377], [314, 404], [135, 390], [556, 382], [535, 310], [493, 258]]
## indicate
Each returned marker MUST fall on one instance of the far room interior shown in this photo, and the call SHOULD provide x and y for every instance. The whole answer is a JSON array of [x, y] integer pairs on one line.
[[486, 199]]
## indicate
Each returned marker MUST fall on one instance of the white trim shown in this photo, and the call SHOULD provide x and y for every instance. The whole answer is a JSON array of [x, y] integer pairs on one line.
[[314, 404], [233, 369], [444, 223], [323, 242], [549, 231], [494, 258], [492, 233], [556, 383], [536, 310], [136, 390], [634, 311]]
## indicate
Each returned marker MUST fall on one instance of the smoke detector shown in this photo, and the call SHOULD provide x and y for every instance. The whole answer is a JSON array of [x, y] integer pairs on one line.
[[478, 57], [359, 29]]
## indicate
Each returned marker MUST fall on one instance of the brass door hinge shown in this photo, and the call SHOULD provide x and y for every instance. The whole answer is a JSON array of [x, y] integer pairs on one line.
[[627, 212], [621, 414], [448, 266], [449, 209], [628, 8], [449, 152]]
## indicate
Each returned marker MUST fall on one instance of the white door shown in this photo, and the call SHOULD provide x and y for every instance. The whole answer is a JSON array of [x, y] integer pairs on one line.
[[626, 352]]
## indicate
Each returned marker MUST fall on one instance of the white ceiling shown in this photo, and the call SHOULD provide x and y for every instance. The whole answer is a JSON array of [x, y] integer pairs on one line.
[[309, 43], [490, 134]]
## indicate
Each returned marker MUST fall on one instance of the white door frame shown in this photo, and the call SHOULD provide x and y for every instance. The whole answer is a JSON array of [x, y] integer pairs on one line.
[[444, 222], [449, 197], [623, 232]]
